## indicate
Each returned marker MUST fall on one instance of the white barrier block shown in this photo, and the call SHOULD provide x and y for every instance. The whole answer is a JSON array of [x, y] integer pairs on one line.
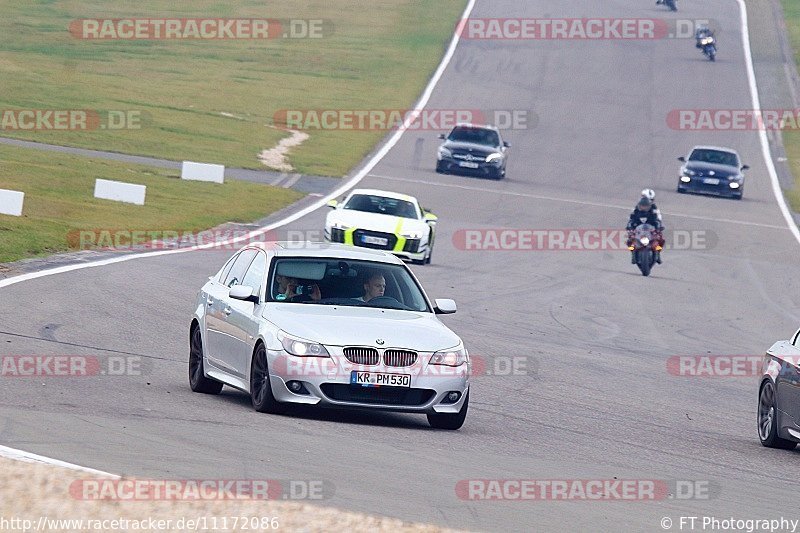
[[119, 191], [202, 172], [11, 202]]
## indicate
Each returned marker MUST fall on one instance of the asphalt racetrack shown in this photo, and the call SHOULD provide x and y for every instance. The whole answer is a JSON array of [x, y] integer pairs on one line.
[[595, 399]]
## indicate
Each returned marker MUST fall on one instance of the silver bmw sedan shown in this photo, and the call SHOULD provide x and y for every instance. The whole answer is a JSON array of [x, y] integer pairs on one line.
[[327, 325]]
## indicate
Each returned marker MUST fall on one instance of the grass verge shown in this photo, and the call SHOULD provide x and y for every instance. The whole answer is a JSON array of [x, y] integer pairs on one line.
[[214, 100], [791, 139], [59, 199]]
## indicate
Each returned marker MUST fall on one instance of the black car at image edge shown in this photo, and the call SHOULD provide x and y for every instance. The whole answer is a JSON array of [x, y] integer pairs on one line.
[[779, 395]]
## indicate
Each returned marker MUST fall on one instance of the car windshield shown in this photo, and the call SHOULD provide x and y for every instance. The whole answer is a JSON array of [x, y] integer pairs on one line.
[[717, 157], [380, 204], [326, 281], [475, 135]]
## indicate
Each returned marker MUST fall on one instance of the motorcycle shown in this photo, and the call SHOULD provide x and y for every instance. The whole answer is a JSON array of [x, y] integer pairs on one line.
[[708, 44], [644, 242], [671, 4]]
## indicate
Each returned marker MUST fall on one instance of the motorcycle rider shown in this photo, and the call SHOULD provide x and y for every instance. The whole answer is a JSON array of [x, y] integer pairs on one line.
[[701, 33], [643, 214], [650, 194]]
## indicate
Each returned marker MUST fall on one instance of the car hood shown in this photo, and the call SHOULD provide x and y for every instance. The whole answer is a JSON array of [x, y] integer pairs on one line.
[[375, 221], [722, 171], [362, 326], [477, 148]]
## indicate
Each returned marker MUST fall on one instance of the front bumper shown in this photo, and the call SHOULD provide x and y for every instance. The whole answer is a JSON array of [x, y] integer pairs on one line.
[[696, 185], [326, 382], [404, 247], [447, 164]]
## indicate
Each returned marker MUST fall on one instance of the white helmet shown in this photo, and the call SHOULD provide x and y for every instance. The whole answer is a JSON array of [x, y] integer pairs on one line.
[[650, 194]]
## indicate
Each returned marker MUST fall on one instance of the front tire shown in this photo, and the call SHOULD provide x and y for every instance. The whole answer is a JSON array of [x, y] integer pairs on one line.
[[450, 421], [427, 260], [768, 420], [197, 378], [260, 388], [644, 260]]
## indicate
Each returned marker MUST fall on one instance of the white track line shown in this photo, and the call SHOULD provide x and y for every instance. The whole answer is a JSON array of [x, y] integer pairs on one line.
[[27, 457], [762, 133], [570, 201], [344, 187]]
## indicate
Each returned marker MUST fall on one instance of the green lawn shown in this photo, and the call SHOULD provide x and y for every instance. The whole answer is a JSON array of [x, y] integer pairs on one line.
[[378, 55], [59, 201], [791, 139]]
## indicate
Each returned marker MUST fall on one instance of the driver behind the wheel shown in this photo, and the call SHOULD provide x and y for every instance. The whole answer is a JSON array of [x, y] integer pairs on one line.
[[374, 287]]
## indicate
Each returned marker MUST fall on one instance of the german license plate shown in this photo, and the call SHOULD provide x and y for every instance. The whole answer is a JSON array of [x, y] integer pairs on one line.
[[369, 239], [375, 379], [467, 164], [711, 181]]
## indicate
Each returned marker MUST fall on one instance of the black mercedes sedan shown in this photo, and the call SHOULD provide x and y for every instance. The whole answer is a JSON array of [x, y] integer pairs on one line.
[[712, 170], [779, 395], [473, 149]]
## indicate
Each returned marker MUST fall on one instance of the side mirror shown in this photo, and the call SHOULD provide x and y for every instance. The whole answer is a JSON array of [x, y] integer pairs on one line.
[[444, 306], [333, 204], [681, 158], [745, 167], [429, 217], [440, 136], [244, 293], [506, 144]]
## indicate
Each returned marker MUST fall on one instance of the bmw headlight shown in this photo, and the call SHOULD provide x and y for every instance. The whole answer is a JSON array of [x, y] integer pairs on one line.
[[493, 157], [645, 240], [443, 152], [301, 347], [412, 235], [456, 356], [707, 40]]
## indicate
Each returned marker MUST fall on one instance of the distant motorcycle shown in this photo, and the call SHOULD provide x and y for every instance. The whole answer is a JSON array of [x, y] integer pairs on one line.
[[645, 241], [708, 44], [671, 4]]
